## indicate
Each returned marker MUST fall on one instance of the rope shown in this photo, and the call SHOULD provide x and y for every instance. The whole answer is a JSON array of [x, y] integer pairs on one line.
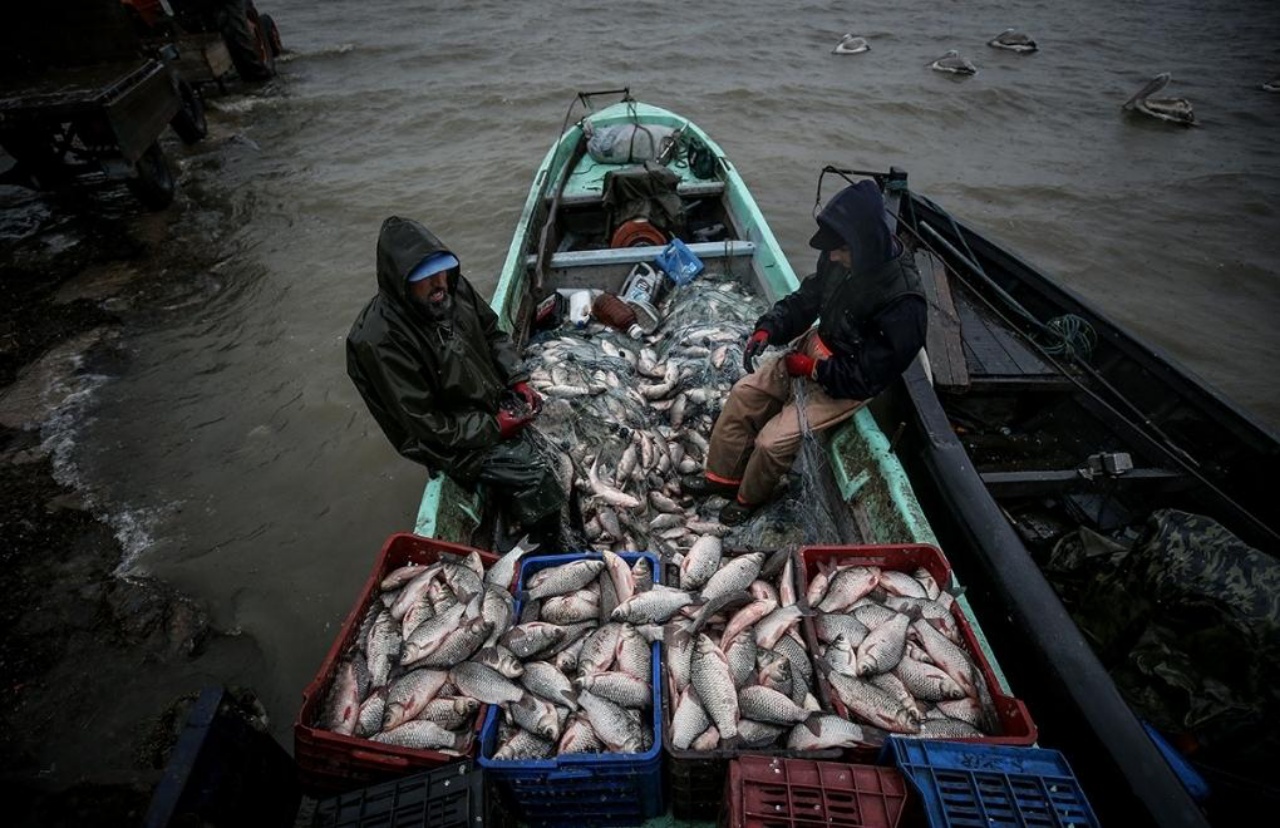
[[1074, 337]]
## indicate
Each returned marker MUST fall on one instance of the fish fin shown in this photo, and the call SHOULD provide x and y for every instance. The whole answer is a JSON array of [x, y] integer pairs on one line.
[[874, 736], [526, 546]]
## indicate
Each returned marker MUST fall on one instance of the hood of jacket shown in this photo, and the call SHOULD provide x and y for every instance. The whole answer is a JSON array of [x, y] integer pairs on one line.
[[402, 245], [857, 214]]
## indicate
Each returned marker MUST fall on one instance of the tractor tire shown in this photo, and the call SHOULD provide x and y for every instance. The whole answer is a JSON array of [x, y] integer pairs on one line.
[[153, 183], [272, 34], [251, 54], [190, 122]]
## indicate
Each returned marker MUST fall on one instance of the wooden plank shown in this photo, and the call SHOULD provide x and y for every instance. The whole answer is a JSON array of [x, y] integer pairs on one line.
[[994, 349], [943, 341], [1039, 483]]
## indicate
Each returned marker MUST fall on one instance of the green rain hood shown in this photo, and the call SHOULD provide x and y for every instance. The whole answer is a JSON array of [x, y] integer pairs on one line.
[[433, 386]]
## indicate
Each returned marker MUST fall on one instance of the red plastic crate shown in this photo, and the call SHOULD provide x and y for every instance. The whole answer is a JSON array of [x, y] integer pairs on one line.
[[765, 792], [1016, 726], [329, 763]]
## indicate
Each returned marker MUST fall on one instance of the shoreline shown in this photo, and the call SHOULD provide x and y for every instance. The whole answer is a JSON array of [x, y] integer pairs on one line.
[[71, 629]]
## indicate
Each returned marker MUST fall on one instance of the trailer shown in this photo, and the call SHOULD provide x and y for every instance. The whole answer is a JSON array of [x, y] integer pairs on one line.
[[84, 99]]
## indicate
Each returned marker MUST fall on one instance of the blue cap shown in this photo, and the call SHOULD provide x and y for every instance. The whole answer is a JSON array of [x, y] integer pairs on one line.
[[432, 265]]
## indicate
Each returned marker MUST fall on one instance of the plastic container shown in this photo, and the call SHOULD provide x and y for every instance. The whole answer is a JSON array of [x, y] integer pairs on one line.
[[330, 763], [1016, 726], [224, 771], [452, 796], [795, 793], [993, 786], [581, 789], [580, 308], [680, 263], [640, 291]]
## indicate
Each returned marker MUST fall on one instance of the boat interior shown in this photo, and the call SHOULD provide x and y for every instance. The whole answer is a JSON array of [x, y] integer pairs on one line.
[[1064, 425]]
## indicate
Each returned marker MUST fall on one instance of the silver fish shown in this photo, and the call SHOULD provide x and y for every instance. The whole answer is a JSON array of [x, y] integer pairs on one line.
[[409, 694], [536, 715], [544, 680], [654, 606], [701, 562], [711, 677], [579, 737], [764, 705], [611, 723], [523, 745], [342, 704], [562, 579], [829, 731], [528, 640], [873, 705], [503, 573], [484, 683], [622, 689], [734, 576], [883, 647], [501, 659], [927, 682], [424, 735]]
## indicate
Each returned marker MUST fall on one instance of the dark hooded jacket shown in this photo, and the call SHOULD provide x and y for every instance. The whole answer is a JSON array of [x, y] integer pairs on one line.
[[434, 387], [873, 316]]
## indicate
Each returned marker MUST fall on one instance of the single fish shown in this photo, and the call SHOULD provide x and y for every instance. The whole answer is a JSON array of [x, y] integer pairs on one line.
[[484, 683], [830, 731], [735, 576], [711, 677], [873, 705], [927, 682], [689, 720], [536, 715], [562, 579], [523, 745], [503, 573], [424, 735], [883, 647], [622, 689], [342, 705], [409, 694], [619, 732], [653, 607], [546, 681], [764, 705]]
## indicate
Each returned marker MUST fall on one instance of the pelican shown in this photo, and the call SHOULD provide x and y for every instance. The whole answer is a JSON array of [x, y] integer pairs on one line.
[[1271, 86], [850, 45], [1173, 110], [1014, 41], [952, 62]]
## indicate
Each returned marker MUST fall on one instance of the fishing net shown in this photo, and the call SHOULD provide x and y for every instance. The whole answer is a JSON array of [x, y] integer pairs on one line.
[[623, 419]]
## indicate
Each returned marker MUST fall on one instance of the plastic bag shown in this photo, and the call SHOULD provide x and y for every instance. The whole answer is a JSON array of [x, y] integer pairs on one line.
[[627, 143], [680, 263]]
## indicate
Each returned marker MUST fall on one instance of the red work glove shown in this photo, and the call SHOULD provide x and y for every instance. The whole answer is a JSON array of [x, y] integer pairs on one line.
[[799, 365], [532, 398], [509, 425], [755, 347]]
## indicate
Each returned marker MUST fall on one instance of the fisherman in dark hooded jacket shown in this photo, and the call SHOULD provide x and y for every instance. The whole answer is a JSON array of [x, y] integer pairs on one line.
[[872, 323], [442, 379]]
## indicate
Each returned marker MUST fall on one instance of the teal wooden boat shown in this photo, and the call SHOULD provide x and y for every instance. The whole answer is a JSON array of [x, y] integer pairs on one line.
[[561, 241]]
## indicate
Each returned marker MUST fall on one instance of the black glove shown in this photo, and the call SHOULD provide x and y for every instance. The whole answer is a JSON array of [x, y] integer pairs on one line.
[[755, 347]]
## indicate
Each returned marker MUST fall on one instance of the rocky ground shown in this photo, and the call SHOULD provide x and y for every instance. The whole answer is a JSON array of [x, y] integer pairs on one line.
[[74, 271]]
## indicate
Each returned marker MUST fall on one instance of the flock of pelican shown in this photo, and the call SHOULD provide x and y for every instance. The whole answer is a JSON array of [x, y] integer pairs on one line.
[[1172, 110]]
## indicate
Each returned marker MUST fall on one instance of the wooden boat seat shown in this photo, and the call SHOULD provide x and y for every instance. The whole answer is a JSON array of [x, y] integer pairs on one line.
[[971, 348], [586, 184], [631, 255], [1004, 484]]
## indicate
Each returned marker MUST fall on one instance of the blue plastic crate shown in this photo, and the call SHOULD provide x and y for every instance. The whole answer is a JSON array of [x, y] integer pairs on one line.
[[582, 789], [970, 785]]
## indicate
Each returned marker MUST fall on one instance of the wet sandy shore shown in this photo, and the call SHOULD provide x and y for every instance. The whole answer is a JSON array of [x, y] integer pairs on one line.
[[75, 269]]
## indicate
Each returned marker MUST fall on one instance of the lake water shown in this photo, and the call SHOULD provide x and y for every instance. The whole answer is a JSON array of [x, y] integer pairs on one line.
[[232, 452]]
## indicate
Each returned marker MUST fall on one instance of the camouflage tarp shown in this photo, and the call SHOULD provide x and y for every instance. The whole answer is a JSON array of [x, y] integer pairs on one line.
[[1187, 620]]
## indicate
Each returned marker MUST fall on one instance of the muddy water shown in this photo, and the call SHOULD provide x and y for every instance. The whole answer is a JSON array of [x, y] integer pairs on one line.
[[234, 458]]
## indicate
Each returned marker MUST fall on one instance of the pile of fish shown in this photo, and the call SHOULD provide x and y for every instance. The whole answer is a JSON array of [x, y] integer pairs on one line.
[[576, 674], [891, 651], [405, 678], [737, 670], [624, 419]]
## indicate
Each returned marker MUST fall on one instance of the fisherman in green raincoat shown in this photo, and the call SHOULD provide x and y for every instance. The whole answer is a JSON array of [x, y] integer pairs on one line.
[[444, 381]]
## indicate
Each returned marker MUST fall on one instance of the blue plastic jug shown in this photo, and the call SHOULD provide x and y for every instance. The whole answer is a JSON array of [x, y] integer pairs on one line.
[[679, 262]]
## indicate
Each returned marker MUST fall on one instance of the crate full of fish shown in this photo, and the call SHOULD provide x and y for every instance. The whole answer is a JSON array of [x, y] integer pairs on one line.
[[739, 677], [895, 653], [396, 692], [577, 737]]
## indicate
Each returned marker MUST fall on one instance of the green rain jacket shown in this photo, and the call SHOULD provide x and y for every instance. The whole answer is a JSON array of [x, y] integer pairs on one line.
[[433, 387]]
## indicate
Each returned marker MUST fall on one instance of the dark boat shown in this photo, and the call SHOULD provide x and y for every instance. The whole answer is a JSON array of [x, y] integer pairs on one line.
[[1037, 432]]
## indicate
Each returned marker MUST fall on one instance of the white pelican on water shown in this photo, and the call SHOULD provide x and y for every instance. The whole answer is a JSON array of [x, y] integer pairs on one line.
[[1173, 110], [952, 62], [1014, 41], [850, 45]]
